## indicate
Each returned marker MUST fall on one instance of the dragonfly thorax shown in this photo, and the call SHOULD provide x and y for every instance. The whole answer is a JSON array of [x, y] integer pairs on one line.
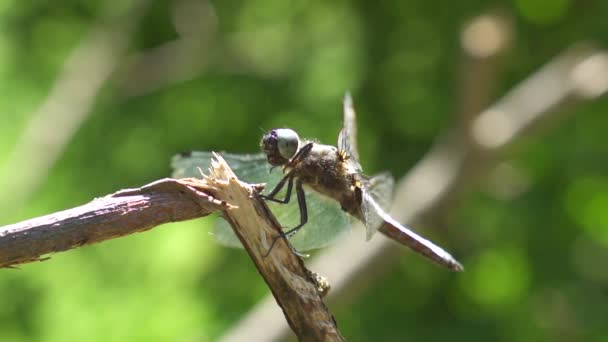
[[327, 173]]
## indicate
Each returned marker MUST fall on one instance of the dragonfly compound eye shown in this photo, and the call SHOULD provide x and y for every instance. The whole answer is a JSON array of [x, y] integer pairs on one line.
[[287, 142]]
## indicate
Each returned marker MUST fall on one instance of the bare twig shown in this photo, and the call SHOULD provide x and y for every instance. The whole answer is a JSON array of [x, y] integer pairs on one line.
[[122, 213], [576, 76]]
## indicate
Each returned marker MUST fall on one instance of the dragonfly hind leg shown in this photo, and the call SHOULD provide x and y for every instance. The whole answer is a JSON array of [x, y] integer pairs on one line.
[[303, 216]]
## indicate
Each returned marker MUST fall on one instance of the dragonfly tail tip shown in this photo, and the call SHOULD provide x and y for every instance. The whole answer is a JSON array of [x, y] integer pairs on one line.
[[456, 266]]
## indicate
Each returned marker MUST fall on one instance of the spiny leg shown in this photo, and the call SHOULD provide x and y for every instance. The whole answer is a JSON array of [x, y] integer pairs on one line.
[[303, 210], [303, 220], [302, 152], [271, 196]]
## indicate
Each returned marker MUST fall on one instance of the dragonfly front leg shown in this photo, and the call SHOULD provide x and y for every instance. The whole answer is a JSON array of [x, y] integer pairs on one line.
[[303, 152], [288, 178]]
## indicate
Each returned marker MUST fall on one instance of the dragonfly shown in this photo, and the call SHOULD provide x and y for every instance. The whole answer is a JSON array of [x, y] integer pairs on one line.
[[329, 184]]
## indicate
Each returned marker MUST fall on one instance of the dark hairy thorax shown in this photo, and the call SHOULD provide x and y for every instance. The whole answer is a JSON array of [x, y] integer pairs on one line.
[[328, 172]]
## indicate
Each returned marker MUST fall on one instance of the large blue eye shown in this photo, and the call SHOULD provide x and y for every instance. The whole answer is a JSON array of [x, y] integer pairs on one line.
[[287, 142]]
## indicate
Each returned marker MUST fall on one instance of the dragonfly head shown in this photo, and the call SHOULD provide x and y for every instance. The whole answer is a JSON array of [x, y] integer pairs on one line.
[[280, 145]]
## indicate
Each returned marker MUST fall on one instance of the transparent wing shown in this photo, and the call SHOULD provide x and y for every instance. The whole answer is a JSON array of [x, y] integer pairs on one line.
[[326, 223], [371, 216], [377, 190], [251, 168], [347, 139], [326, 220], [381, 187]]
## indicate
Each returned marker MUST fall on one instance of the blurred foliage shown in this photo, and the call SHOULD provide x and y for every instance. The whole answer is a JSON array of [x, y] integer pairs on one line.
[[534, 260]]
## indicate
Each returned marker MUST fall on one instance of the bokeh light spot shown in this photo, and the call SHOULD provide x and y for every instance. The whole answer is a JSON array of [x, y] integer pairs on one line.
[[498, 278]]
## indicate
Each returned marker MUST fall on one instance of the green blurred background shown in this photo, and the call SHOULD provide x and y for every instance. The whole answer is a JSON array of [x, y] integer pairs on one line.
[[190, 74]]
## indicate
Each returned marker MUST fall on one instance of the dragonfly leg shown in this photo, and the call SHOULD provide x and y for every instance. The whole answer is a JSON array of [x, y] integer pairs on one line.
[[303, 210], [302, 152], [303, 219], [271, 196], [288, 178]]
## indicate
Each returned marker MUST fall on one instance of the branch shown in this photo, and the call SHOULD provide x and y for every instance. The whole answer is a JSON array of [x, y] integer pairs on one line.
[[297, 290], [122, 213]]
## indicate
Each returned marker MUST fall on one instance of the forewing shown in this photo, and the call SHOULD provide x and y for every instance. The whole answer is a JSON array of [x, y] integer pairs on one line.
[[347, 139], [251, 168], [326, 222], [326, 219]]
